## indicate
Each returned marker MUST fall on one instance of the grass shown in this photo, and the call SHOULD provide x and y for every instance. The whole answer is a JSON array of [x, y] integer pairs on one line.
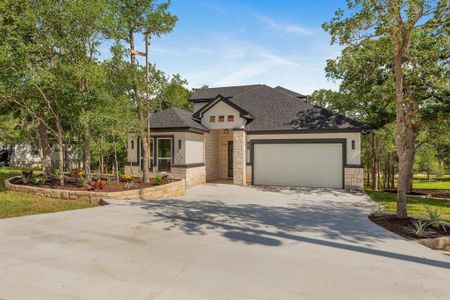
[[20, 204], [416, 205], [421, 182]]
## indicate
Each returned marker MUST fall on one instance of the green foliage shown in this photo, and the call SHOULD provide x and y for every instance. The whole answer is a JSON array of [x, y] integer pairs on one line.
[[83, 180], [38, 180], [378, 212], [420, 229], [129, 184], [433, 216], [158, 180], [416, 205]]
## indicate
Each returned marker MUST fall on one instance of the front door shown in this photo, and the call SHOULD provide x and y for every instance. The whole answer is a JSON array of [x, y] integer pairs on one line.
[[164, 154], [230, 159]]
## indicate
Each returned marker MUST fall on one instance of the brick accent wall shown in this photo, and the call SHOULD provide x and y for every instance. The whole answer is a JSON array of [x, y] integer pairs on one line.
[[354, 178], [239, 163]]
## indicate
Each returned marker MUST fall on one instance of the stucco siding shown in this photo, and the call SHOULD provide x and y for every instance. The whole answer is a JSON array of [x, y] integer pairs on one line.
[[222, 109]]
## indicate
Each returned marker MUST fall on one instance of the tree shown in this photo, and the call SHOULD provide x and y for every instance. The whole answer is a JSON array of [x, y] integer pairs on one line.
[[133, 17], [403, 22]]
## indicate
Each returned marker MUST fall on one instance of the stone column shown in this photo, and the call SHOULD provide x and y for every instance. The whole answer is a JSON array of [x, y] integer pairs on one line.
[[239, 150]]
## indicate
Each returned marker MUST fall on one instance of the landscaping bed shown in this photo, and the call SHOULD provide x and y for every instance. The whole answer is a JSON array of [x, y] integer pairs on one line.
[[106, 184], [405, 227], [95, 191]]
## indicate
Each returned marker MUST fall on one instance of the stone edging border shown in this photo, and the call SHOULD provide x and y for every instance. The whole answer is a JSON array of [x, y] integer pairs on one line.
[[172, 189]]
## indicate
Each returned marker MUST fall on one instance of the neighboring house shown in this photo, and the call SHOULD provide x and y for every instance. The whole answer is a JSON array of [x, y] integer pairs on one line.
[[253, 134], [27, 155]]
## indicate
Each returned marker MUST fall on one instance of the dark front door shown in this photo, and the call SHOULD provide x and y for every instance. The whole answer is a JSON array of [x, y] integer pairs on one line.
[[230, 159]]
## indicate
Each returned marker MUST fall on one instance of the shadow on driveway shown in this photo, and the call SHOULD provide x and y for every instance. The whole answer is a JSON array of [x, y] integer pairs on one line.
[[333, 221]]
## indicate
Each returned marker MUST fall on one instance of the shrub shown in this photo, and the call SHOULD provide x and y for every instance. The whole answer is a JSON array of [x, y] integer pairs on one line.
[[129, 184], [83, 181], [38, 180], [421, 229], [127, 177], [158, 180], [378, 212], [97, 185], [433, 215]]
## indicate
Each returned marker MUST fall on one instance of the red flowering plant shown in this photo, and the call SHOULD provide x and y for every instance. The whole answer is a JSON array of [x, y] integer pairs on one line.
[[97, 185]]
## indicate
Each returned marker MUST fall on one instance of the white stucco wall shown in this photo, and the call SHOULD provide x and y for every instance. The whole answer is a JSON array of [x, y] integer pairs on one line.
[[191, 150], [194, 144], [222, 109], [353, 155]]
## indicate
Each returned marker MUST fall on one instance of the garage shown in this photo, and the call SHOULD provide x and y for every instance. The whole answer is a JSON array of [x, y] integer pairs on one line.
[[308, 163]]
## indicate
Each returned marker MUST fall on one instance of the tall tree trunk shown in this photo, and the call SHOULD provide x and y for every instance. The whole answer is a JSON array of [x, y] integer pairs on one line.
[[392, 176], [87, 153], [374, 161], [145, 151], [45, 149], [60, 151], [405, 135], [116, 161], [141, 113]]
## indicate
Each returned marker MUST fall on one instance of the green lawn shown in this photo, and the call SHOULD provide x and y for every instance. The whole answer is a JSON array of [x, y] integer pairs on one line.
[[416, 205], [419, 183], [20, 204]]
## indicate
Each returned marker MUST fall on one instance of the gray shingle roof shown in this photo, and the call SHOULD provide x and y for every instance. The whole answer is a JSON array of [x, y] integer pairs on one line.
[[172, 118], [228, 91], [277, 111], [274, 110], [289, 92]]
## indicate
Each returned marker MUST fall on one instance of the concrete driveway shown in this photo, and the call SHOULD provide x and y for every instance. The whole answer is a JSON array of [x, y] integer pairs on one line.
[[218, 242]]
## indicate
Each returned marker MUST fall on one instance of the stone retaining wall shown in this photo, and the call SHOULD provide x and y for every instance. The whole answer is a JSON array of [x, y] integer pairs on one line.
[[172, 189]]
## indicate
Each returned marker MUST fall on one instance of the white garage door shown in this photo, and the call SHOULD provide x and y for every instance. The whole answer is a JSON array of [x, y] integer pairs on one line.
[[309, 165]]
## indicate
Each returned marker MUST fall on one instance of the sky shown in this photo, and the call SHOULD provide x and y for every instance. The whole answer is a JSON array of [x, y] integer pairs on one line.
[[230, 42]]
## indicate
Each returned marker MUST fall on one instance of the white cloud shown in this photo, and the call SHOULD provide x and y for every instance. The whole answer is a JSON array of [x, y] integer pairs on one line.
[[287, 28]]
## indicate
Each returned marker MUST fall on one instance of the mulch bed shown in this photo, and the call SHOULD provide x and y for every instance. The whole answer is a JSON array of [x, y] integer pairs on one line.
[[73, 184], [402, 227]]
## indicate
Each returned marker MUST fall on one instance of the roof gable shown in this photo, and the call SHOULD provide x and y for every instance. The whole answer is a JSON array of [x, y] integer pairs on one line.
[[219, 98], [175, 118]]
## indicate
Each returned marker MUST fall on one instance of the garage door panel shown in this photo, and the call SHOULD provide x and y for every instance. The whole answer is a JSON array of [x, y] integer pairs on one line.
[[311, 165]]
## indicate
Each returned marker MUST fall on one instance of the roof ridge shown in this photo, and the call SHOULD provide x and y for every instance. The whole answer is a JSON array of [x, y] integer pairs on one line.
[[249, 90]]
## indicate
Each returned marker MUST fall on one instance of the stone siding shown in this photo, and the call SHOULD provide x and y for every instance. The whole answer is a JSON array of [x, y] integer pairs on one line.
[[354, 178], [239, 164], [172, 189], [249, 174], [211, 159], [216, 154], [192, 175]]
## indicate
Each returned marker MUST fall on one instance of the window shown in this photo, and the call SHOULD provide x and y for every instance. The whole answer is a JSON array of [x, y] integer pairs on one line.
[[353, 144], [132, 144], [230, 118], [179, 144], [221, 118], [212, 119]]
